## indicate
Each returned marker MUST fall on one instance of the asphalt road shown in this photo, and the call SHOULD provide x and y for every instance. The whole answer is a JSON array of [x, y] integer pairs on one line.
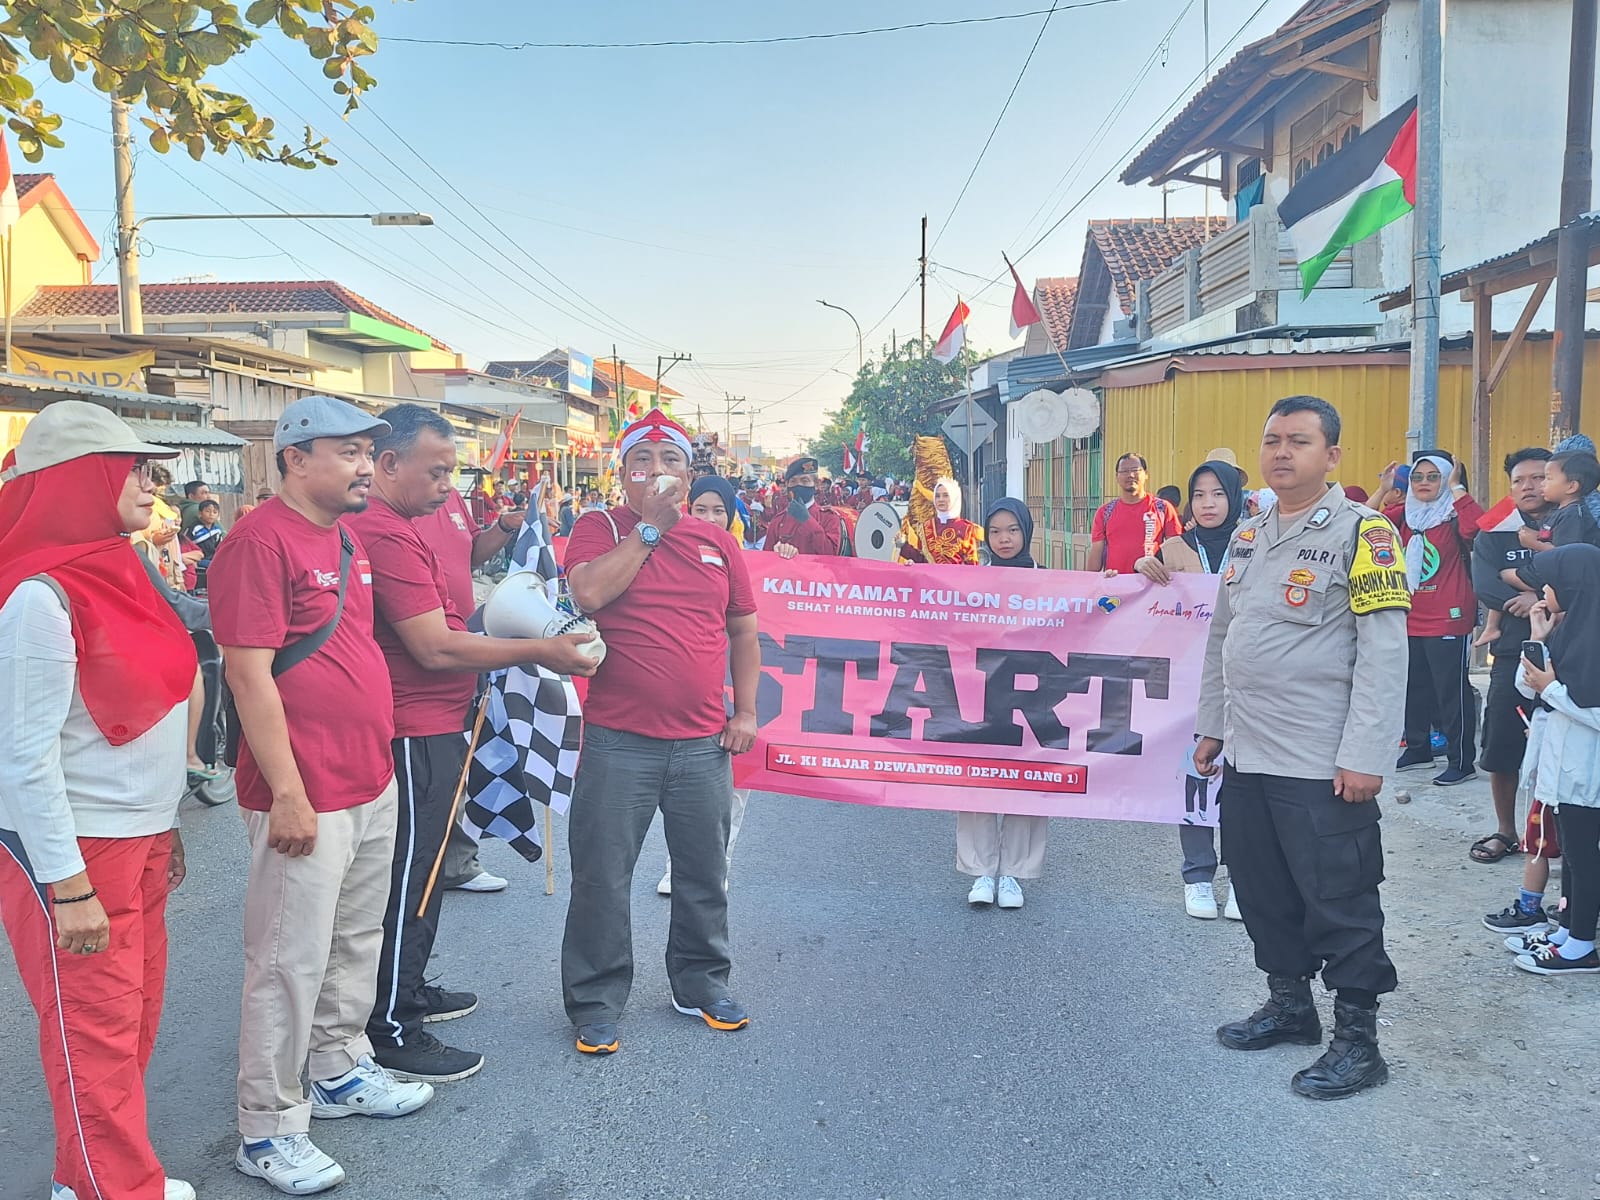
[[903, 1046]]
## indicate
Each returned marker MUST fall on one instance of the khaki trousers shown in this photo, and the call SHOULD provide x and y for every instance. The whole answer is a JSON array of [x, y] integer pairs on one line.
[[995, 844], [313, 930]]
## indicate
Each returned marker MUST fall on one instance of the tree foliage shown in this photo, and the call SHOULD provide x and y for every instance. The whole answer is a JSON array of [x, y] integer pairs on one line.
[[894, 397], [155, 55]]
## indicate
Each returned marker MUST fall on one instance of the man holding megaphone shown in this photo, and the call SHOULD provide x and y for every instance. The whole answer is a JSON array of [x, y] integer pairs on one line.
[[672, 598], [434, 664]]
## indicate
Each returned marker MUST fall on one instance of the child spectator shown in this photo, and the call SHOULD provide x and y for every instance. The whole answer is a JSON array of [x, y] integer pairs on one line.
[[1563, 760], [205, 536]]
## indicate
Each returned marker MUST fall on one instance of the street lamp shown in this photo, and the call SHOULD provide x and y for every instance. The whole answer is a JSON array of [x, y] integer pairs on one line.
[[128, 254], [860, 358]]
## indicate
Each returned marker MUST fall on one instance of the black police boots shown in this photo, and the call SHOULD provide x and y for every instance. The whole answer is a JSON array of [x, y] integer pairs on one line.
[[1289, 1015], [1352, 1063]]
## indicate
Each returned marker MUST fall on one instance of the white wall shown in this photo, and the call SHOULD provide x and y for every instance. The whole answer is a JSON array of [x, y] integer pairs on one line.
[[1504, 110]]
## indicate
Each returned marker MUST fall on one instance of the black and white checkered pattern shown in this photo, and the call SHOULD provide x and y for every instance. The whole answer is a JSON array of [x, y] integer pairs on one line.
[[527, 751]]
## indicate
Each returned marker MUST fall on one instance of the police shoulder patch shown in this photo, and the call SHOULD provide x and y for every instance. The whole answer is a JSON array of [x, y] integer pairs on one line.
[[1378, 569]]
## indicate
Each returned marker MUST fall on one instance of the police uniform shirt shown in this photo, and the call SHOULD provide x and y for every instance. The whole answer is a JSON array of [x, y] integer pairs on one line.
[[1307, 657]]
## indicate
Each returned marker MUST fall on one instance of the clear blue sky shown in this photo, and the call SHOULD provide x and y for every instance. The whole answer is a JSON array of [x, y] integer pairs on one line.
[[699, 199]]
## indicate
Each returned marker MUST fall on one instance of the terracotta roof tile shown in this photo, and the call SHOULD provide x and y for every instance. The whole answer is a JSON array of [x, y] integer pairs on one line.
[[1139, 249], [26, 183], [203, 299], [1055, 296]]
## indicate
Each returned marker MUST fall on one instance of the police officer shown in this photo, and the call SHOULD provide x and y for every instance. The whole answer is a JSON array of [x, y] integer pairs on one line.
[[1313, 599]]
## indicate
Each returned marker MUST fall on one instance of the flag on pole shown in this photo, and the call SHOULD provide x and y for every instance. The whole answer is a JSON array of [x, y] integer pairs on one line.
[[954, 337], [502, 444], [1353, 194], [1024, 312], [10, 207], [527, 754], [850, 465], [861, 446]]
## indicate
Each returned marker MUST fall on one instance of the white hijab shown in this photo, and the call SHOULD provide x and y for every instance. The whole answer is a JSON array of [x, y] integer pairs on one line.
[[1423, 515], [954, 488]]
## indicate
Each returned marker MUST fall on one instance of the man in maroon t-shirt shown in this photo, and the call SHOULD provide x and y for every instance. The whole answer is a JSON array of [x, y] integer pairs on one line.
[[673, 601], [452, 533], [316, 784], [1134, 525], [433, 666]]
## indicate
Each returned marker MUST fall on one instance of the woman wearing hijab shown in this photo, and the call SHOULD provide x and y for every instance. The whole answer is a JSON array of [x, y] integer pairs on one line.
[[998, 849], [948, 538], [712, 498], [1216, 501], [1562, 763], [1437, 523], [96, 671]]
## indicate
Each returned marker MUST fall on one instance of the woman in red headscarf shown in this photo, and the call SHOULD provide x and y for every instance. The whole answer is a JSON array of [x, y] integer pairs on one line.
[[96, 671]]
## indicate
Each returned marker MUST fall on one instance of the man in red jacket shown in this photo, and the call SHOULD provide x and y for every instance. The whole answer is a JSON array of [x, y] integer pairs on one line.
[[805, 526], [1438, 522]]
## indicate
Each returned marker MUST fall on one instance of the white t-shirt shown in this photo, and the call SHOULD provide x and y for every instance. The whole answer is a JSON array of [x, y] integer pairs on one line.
[[60, 779]]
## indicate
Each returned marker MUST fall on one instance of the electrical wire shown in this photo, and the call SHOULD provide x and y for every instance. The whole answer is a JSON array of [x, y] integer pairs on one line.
[[993, 129], [751, 41]]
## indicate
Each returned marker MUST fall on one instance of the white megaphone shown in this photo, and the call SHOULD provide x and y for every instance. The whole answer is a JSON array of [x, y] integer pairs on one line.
[[520, 607]]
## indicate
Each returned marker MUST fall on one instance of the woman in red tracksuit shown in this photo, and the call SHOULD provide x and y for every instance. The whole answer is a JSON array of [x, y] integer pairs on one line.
[[1437, 523], [95, 674]]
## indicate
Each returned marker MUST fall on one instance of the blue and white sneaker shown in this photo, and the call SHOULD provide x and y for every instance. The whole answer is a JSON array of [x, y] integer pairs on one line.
[[367, 1090], [291, 1163]]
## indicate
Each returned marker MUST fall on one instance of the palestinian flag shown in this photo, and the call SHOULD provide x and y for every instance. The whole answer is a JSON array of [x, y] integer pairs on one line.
[[1352, 195]]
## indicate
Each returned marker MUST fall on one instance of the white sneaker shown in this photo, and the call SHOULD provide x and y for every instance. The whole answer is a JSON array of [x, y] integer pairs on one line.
[[367, 1090], [1200, 901], [482, 882], [982, 890], [291, 1163], [1010, 892], [664, 888], [176, 1189], [1232, 911]]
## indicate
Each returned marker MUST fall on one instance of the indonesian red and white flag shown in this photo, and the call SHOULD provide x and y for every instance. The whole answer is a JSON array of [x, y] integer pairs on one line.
[[1024, 312], [502, 444], [10, 208], [1502, 518], [954, 337]]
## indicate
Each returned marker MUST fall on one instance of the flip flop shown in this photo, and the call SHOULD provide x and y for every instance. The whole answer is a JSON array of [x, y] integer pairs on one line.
[[1483, 852], [199, 775]]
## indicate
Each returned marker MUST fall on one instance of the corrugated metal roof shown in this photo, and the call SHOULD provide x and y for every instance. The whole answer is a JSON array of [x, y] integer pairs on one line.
[[108, 396], [164, 433]]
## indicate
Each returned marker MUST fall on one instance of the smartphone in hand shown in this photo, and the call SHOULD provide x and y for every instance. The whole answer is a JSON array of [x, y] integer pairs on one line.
[[1534, 653]]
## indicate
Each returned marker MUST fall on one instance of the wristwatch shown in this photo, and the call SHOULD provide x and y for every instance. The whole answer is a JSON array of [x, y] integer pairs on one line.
[[650, 536]]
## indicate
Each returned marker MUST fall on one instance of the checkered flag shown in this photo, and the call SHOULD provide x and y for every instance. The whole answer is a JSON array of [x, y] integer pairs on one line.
[[527, 751]]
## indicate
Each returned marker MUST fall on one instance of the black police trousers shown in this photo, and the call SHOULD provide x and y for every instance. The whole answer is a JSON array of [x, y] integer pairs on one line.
[[1306, 868]]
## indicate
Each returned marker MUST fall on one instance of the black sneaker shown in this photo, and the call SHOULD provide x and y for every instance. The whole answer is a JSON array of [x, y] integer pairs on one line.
[[1516, 919], [1547, 960], [598, 1037], [440, 1005], [1451, 776], [428, 1060], [726, 1014], [1410, 760]]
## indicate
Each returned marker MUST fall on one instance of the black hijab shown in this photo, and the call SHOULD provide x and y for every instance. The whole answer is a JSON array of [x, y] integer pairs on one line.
[[719, 485], [1212, 544], [1574, 573], [1019, 510]]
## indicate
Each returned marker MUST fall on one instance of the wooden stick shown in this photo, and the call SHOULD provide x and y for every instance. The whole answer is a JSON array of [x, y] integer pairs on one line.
[[455, 804], [549, 863]]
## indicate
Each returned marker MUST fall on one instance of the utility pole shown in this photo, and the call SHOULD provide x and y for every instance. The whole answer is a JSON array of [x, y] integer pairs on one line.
[[922, 275], [1425, 233], [1572, 244], [127, 233], [671, 361], [727, 418]]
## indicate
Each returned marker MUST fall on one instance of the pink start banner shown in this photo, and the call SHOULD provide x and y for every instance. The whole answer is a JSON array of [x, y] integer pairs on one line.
[[979, 689]]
